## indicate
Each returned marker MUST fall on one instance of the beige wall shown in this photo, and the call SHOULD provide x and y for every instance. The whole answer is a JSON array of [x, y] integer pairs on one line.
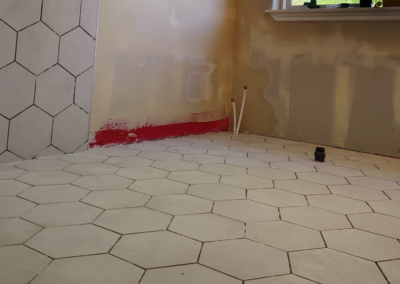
[[327, 83], [161, 61]]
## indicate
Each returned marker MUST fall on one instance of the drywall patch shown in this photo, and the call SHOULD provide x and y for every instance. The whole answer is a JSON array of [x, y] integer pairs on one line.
[[118, 132]]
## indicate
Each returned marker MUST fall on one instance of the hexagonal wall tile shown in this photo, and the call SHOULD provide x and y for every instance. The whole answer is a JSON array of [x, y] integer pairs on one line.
[[116, 199], [3, 134], [157, 249], [180, 204], [284, 236], [20, 13], [331, 267], [89, 16], [207, 227], [83, 90], [17, 87], [363, 244], [244, 259], [193, 274], [217, 191], [103, 182], [61, 16], [15, 231], [60, 242], [30, 133], [245, 211], [12, 187], [315, 218], [133, 220], [90, 269], [54, 90], [48, 178], [54, 194], [159, 187], [62, 214], [19, 264], [76, 51], [9, 158], [7, 44], [37, 48], [14, 206], [71, 129]]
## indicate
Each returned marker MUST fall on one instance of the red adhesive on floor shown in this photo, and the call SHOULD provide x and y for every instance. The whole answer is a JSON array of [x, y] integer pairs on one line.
[[116, 132]]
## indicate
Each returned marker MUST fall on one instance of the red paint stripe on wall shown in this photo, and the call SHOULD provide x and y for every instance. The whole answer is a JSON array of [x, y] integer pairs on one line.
[[108, 135]]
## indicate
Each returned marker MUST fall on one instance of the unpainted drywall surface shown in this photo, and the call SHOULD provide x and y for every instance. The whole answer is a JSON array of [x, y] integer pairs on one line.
[[161, 62], [334, 84]]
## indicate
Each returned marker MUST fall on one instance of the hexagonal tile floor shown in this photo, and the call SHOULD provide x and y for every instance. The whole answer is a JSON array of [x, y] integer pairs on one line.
[[201, 209]]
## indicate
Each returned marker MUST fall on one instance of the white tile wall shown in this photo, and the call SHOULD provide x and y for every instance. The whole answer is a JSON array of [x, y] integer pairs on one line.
[[46, 71]]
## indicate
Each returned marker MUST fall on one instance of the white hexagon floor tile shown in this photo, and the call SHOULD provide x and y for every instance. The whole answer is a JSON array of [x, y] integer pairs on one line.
[[147, 147], [246, 182], [247, 149], [76, 51], [19, 264], [69, 241], [12, 187], [315, 218], [217, 191], [157, 249], [389, 207], [393, 194], [172, 142], [203, 159], [339, 204], [71, 120], [116, 199], [133, 220], [354, 165], [180, 204], [138, 173], [17, 87], [244, 259], [84, 157], [292, 167], [90, 269], [8, 172], [14, 207], [277, 197], [54, 194], [339, 171], [193, 177], [222, 169], [193, 274], [210, 146], [358, 192], [285, 279], [128, 162], [15, 231], [268, 157], [362, 244], [322, 178], [175, 165], [377, 223], [390, 176], [272, 174], [391, 270], [62, 214], [37, 48], [42, 165], [207, 227], [48, 178], [331, 267], [20, 13], [159, 187], [245, 211], [247, 163], [92, 169], [186, 150], [103, 182], [284, 236], [115, 152], [301, 187], [374, 183]]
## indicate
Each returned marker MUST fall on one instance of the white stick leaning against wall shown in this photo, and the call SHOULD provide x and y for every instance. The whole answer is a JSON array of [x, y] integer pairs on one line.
[[241, 110]]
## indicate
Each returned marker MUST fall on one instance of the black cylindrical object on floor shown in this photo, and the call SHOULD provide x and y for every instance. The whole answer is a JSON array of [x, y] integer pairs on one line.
[[320, 154]]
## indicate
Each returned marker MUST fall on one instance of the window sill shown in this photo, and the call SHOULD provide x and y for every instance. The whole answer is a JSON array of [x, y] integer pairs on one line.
[[337, 15]]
